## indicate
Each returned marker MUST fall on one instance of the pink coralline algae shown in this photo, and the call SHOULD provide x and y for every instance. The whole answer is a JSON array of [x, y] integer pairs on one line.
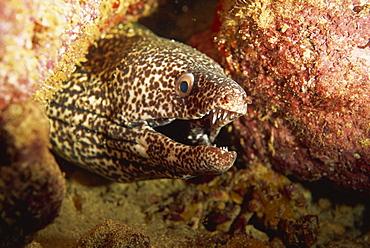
[[305, 65], [41, 42]]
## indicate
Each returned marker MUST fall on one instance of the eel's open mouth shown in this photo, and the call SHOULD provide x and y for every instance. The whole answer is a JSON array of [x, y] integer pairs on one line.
[[201, 131]]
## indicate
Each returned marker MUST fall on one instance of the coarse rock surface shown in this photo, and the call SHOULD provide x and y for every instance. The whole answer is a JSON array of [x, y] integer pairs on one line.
[[31, 182], [42, 41], [305, 65]]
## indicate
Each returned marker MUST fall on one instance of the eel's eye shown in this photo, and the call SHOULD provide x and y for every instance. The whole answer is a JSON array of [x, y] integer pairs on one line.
[[184, 84]]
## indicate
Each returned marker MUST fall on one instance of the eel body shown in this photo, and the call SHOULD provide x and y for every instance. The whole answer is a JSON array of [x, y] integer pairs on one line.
[[110, 114]]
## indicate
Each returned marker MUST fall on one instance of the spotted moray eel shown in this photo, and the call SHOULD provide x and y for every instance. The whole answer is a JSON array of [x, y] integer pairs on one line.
[[108, 115]]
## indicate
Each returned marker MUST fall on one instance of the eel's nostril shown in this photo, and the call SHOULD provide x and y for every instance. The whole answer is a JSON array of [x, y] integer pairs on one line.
[[228, 98]]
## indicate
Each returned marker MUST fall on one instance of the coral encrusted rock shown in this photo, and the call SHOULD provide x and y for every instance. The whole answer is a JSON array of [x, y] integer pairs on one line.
[[31, 182], [305, 65]]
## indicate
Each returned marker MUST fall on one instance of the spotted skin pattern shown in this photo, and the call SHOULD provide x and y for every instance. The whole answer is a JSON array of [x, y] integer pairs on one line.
[[105, 117]]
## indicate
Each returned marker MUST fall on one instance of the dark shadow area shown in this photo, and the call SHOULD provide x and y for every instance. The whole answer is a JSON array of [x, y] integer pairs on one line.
[[179, 19]]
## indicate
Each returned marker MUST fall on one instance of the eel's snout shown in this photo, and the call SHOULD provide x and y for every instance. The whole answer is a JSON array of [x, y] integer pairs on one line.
[[231, 103], [235, 99]]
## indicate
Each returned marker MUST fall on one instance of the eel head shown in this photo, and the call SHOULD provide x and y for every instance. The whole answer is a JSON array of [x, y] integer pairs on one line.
[[186, 110]]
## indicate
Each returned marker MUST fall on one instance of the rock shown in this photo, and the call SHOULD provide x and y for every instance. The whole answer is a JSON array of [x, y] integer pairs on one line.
[[110, 234], [305, 65], [31, 183], [42, 41]]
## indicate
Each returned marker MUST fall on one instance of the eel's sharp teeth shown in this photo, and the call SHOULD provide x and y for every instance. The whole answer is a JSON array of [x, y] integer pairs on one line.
[[225, 115], [219, 114], [214, 118]]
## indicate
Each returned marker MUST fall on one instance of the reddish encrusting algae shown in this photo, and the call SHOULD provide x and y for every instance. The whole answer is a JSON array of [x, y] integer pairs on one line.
[[306, 66]]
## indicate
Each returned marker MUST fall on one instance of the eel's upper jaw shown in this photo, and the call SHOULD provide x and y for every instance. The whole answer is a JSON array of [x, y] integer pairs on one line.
[[221, 117], [229, 106], [218, 117], [203, 129]]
